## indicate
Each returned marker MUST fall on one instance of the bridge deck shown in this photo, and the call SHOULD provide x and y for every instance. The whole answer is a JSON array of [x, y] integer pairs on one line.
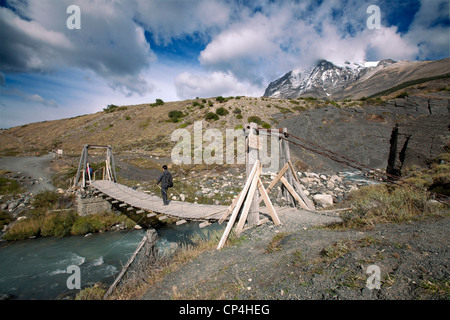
[[140, 200]]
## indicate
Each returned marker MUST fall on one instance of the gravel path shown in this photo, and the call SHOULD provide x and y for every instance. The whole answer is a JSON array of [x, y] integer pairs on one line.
[[34, 169]]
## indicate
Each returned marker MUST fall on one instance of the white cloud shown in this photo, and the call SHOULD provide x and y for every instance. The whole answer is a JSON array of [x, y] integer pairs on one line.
[[190, 85], [108, 43], [431, 39]]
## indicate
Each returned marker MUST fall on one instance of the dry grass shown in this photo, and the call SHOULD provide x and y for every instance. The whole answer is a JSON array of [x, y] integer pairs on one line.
[[136, 287]]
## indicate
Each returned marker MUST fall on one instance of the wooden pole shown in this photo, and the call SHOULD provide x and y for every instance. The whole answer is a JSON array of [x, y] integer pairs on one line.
[[249, 201], [252, 158]]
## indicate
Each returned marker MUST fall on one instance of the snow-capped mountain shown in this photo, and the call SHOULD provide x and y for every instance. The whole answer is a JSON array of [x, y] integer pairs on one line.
[[323, 80]]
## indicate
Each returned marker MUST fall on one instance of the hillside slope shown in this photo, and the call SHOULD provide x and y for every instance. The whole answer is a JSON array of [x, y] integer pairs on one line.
[[360, 129]]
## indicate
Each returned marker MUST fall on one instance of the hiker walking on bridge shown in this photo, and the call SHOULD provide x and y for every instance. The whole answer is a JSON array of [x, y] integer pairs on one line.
[[165, 178]]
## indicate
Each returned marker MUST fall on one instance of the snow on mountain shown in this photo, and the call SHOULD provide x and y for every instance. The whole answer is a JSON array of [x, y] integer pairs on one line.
[[322, 80]]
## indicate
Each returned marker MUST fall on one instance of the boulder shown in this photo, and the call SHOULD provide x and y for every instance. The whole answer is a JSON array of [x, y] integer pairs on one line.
[[323, 199]]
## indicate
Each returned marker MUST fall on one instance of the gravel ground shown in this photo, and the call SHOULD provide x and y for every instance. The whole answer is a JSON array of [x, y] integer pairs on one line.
[[36, 170], [316, 263]]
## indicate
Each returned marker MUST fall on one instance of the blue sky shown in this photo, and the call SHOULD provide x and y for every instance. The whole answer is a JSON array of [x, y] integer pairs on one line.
[[135, 51]]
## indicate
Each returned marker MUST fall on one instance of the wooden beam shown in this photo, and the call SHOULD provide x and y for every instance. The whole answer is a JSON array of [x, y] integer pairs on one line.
[[204, 224], [248, 201], [294, 194], [275, 180], [230, 208], [268, 203], [297, 184]]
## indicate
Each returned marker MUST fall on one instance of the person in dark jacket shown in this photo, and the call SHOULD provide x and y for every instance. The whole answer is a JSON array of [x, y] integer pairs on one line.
[[165, 178]]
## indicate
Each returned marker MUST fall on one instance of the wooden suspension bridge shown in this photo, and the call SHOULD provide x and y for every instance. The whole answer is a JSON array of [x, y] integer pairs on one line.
[[139, 205]]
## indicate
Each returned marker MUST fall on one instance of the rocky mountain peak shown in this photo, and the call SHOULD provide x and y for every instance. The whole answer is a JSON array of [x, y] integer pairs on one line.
[[323, 80]]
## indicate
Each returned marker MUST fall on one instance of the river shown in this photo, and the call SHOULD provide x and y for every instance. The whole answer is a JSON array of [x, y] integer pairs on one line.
[[37, 268]]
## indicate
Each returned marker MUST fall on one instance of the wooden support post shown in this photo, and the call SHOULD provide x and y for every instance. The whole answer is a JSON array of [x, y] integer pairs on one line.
[[249, 201], [238, 206], [275, 180], [293, 193], [297, 185], [252, 158], [268, 203], [149, 240]]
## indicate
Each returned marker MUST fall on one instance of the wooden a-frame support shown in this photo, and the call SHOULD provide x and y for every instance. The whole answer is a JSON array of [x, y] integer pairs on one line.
[[110, 173], [243, 202]]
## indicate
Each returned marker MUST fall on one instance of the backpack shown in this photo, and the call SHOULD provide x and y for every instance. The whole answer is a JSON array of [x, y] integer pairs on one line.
[[168, 178], [170, 182]]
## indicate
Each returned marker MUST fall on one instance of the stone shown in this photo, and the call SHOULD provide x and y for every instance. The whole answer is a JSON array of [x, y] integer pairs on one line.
[[323, 199], [335, 178]]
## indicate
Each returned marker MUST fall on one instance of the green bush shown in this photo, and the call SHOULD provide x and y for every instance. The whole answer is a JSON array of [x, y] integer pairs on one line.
[[158, 102], [175, 115], [112, 108], [402, 95], [265, 125], [220, 99], [8, 186], [23, 229], [211, 116], [47, 200], [255, 119], [222, 111], [58, 224]]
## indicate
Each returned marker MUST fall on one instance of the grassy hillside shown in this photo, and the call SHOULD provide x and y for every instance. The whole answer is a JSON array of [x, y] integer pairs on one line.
[[147, 128]]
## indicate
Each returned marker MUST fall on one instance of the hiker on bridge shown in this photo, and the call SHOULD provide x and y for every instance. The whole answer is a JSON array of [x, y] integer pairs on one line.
[[165, 178]]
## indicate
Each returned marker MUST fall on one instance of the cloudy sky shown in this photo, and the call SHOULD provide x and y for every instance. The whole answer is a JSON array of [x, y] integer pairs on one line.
[[135, 51]]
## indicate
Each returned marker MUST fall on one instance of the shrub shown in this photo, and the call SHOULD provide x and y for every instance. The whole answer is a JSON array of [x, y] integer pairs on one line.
[[237, 111], [8, 186], [221, 111], [211, 116], [175, 115], [23, 229], [239, 116], [265, 125], [47, 200], [58, 224], [385, 203], [402, 95], [255, 119], [112, 108], [158, 102], [220, 99]]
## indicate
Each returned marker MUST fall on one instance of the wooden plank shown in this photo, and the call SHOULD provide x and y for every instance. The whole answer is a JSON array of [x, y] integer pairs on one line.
[[275, 180], [268, 203], [204, 224], [125, 268], [237, 207], [293, 193], [230, 208], [248, 201], [297, 184]]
